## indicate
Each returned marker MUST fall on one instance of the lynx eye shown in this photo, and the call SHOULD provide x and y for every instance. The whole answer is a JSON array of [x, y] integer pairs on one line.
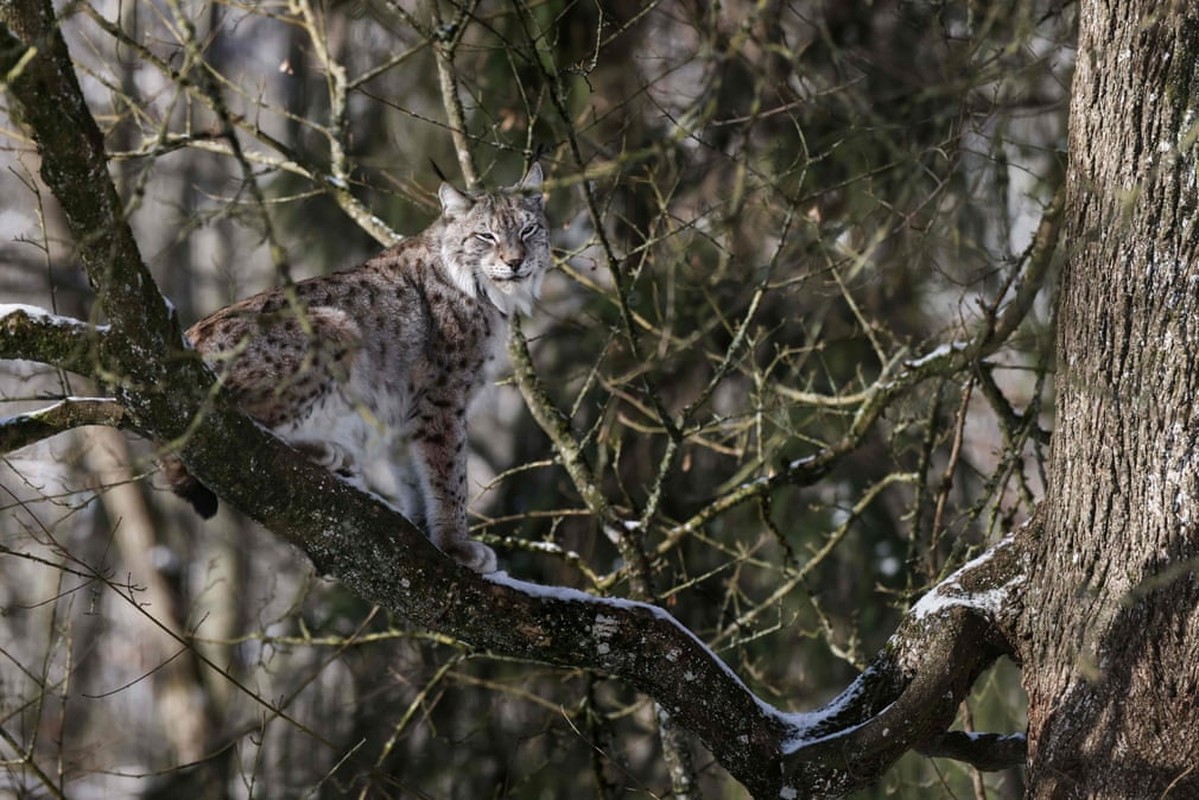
[[485, 236], [528, 231]]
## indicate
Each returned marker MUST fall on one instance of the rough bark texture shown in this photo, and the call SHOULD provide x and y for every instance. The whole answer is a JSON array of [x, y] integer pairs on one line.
[[1112, 655]]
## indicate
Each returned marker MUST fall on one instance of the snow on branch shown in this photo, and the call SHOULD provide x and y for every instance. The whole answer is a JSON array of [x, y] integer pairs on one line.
[[910, 693], [986, 597], [905, 699], [30, 333], [72, 412]]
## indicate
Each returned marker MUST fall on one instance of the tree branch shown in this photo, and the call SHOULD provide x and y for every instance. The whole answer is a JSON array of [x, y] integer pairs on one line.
[[1038, 258], [143, 352], [32, 334], [445, 42], [73, 412], [287, 159], [909, 694], [555, 425], [897, 378], [989, 752], [39, 73]]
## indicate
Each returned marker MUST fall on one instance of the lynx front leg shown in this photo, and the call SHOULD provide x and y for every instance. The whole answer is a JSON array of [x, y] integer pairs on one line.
[[439, 453]]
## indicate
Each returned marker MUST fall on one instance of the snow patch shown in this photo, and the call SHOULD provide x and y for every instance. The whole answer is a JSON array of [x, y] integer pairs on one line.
[[811, 727], [53, 406], [566, 594], [603, 628], [806, 727], [31, 311], [47, 317], [801, 462], [939, 352], [938, 599], [950, 592]]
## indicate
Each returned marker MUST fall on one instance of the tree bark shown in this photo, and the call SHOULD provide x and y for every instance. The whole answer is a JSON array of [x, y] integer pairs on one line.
[[1112, 616]]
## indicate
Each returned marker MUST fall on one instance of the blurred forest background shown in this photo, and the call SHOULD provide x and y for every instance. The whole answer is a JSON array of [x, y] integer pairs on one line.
[[761, 211]]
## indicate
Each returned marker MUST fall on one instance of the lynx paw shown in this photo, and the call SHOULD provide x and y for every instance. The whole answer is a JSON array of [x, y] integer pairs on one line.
[[475, 555], [329, 455]]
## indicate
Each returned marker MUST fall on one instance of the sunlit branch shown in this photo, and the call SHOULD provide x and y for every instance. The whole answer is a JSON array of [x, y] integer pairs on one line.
[[556, 426], [196, 64], [338, 181], [1037, 259], [287, 160], [446, 39]]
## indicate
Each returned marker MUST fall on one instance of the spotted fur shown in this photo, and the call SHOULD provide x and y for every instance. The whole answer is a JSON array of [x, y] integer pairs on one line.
[[371, 371]]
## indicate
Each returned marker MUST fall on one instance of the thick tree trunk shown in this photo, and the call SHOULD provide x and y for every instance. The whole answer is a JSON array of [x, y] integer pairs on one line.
[[1112, 615]]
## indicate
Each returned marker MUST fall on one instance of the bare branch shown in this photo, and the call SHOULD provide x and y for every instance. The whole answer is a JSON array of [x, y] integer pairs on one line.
[[1038, 259], [196, 63], [989, 752], [446, 39], [910, 692], [555, 424], [286, 160], [25, 429]]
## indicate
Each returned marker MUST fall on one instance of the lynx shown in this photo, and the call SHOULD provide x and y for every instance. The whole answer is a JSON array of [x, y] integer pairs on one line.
[[370, 372]]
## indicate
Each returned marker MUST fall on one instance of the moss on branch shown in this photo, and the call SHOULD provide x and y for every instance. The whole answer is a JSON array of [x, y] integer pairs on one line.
[[29, 334], [25, 429]]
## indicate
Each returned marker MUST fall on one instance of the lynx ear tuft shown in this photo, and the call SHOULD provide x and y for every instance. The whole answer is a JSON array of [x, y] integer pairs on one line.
[[532, 179], [453, 202]]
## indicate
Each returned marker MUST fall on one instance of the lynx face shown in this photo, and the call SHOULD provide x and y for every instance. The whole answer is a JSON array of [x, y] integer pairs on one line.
[[497, 245]]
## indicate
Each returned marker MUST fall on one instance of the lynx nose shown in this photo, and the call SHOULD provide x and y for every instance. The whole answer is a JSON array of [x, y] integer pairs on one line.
[[514, 257]]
